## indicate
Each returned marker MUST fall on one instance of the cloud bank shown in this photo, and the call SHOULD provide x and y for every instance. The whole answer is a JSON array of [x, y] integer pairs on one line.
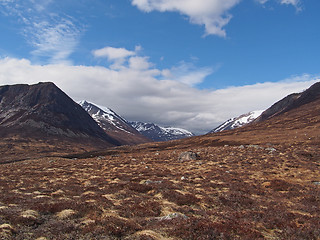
[[140, 92]]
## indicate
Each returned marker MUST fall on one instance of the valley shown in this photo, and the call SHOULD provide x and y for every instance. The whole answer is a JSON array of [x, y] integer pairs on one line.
[[260, 181]]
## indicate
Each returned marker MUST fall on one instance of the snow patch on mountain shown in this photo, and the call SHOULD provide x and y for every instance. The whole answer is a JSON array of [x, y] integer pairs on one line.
[[158, 133], [101, 114], [237, 122]]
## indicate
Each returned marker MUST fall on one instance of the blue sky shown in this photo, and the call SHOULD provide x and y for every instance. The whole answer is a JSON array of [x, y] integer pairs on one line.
[[190, 64]]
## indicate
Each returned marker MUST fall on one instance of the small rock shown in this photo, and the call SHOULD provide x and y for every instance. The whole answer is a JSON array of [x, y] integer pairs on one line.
[[271, 149], [316, 183], [255, 146], [241, 147], [172, 216], [183, 178], [147, 182], [187, 156]]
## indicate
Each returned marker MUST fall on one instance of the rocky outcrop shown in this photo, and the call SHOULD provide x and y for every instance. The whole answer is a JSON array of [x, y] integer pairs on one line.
[[188, 156]]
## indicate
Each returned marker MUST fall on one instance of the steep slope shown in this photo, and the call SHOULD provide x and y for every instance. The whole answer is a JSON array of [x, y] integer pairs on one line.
[[44, 112], [113, 124], [291, 101], [157, 133], [236, 122]]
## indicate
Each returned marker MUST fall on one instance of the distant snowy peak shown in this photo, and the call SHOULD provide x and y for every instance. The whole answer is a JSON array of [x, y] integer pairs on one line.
[[238, 121], [102, 115], [158, 133], [113, 124], [177, 131]]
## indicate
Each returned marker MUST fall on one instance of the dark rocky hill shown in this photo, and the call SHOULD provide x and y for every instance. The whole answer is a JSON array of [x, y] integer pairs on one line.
[[43, 111], [291, 101]]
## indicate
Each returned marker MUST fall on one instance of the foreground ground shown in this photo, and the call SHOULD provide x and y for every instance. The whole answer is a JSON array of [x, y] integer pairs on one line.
[[229, 192]]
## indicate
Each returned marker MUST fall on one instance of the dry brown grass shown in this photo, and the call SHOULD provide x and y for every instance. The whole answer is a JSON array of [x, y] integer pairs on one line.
[[232, 192]]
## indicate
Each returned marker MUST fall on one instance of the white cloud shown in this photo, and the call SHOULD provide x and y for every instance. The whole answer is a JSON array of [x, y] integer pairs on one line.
[[137, 93], [295, 3], [122, 58], [54, 36], [213, 14], [113, 53], [40, 5], [139, 63], [261, 1], [54, 39], [188, 74]]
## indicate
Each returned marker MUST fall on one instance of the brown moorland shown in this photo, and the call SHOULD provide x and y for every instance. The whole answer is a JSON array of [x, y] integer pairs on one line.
[[257, 182]]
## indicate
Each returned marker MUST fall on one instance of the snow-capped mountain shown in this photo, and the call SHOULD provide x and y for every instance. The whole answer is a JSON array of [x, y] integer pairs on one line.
[[158, 133], [113, 124], [236, 122]]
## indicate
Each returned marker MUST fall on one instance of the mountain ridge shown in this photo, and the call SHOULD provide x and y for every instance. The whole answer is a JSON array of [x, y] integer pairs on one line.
[[113, 124], [158, 133], [292, 101]]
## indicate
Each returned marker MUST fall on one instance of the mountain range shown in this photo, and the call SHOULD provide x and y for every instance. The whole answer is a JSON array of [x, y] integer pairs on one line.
[[292, 101], [43, 115], [113, 124], [158, 133], [131, 132]]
